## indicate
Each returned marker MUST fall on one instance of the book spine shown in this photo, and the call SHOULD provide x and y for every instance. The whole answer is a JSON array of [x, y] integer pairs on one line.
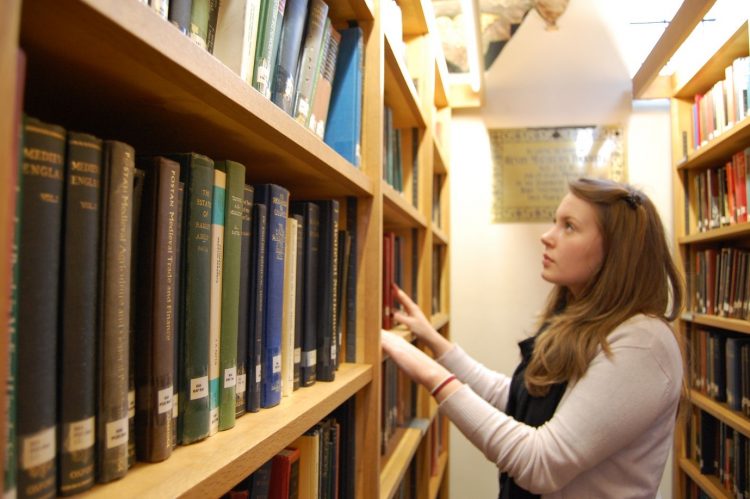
[[276, 199], [306, 73], [319, 60], [177, 316], [256, 305], [155, 310], [213, 16], [138, 179], [311, 249], [351, 281], [230, 292], [198, 175], [199, 14], [322, 97], [282, 91], [299, 305], [244, 302], [77, 349], [217, 275], [327, 278], [114, 319], [39, 263], [287, 323], [265, 54], [179, 14]]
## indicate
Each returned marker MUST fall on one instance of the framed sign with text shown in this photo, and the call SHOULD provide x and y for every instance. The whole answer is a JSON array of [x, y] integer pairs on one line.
[[532, 166]]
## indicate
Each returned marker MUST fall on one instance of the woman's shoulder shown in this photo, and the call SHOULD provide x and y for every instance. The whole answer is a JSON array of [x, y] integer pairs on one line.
[[649, 333]]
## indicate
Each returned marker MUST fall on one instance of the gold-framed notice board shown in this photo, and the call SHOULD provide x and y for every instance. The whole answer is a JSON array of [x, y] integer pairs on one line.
[[532, 166]]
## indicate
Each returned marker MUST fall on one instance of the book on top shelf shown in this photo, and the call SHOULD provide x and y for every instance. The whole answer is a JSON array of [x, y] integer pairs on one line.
[[236, 35], [285, 71]]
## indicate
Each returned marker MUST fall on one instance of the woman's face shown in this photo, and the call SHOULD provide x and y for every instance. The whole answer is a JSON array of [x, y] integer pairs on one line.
[[573, 249]]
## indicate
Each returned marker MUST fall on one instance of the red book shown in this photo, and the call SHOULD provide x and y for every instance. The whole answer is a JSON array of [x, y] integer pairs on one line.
[[285, 474]]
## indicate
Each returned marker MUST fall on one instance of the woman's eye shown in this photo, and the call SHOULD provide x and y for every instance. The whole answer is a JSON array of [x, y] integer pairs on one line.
[[569, 226]]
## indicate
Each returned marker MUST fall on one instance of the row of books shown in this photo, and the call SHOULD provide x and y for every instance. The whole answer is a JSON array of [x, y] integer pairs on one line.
[[399, 402], [317, 465], [721, 451], [725, 104], [720, 367], [438, 256], [393, 170], [720, 193], [437, 189], [158, 298], [393, 273], [290, 53], [720, 282]]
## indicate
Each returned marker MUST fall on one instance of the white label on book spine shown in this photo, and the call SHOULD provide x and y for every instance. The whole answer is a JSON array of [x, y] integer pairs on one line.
[[175, 404], [241, 383], [302, 107], [333, 352], [297, 355], [38, 448], [199, 388], [79, 435], [276, 365], [164, 399], [230, 377], [117, 433], [214, 420], [131, 403], [257, 373], [310, 359]]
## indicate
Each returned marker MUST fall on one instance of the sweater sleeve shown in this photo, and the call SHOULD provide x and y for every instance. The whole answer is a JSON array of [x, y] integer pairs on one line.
[[492, 386], [618, 398]]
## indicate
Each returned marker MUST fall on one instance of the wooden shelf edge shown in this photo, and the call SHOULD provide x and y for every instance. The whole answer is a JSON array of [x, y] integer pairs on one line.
[[398, 82], [439, 236], [414, 17], [709, 484], [736, 325], [720, 411], [727, 232], [395, 468], [398, 212], [436, 480], [440, 165], [221, 461], [685, 19], [439, 320]]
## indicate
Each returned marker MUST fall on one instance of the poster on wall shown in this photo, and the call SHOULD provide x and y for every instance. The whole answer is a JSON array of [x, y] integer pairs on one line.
[[532, 166]]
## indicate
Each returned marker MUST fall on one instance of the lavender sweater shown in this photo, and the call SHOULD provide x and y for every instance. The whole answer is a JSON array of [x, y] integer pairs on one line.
[[611, 433]]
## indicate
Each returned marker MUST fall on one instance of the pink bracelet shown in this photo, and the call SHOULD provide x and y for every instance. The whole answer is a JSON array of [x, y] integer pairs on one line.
[[442, 384]]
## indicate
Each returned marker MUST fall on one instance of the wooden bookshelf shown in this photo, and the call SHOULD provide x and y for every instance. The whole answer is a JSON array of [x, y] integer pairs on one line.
[[115, 68], [437, 480], [689, 160]]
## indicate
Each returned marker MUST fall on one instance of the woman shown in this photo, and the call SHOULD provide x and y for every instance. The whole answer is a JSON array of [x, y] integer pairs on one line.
[[590, 410]]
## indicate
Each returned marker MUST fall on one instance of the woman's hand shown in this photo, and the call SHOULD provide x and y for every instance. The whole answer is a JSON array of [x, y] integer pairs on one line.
[[415, 363], [415, 320]]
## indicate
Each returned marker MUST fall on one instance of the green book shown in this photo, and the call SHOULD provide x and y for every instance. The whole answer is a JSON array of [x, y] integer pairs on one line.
[[269, 34], [230, 291], [197, 174], [199, 14]]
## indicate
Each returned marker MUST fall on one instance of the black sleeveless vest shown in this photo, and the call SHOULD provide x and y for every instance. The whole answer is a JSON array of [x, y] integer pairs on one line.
[[533, 411]]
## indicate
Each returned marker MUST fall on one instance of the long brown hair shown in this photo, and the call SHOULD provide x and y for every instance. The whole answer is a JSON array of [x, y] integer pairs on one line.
[[637, 276]]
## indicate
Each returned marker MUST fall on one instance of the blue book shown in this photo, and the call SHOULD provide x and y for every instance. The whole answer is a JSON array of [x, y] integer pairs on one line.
[[276, 199], [345, 111]]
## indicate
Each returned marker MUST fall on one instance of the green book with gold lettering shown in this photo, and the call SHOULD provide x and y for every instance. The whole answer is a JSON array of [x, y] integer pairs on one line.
[[230, 293]]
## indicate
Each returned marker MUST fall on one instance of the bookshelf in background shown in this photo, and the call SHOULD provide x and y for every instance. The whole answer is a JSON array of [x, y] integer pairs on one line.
[[126, 73], [710, 146]]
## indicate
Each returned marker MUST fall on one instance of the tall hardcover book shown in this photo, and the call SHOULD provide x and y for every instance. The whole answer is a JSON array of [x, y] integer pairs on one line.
[[345, 110], [269, 33], [177, 314], [155, 308], [311, 249], [230, 290], [180, 14], [285, 73], [14, 205], [39, 265], [351, 281], [244, 302], [324, 84], [327, 295], [276, 199], [217, 275], [236, 34], [197, 174], [306, 73], [256, 305], [112, 419], [344, 256], [285, 474], [77, 349], [309, 470], [289, 308], [298, 305], [199, 14], [138, 180]]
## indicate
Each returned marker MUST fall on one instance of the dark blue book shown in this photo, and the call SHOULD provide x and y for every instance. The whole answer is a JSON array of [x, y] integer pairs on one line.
[[309, 246], [345, 111], [282, 88], [327, 294], [256, 305], [179, 14], [276, 200]]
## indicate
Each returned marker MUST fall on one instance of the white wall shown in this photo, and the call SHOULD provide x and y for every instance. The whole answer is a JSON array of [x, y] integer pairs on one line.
[[574, 76]]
